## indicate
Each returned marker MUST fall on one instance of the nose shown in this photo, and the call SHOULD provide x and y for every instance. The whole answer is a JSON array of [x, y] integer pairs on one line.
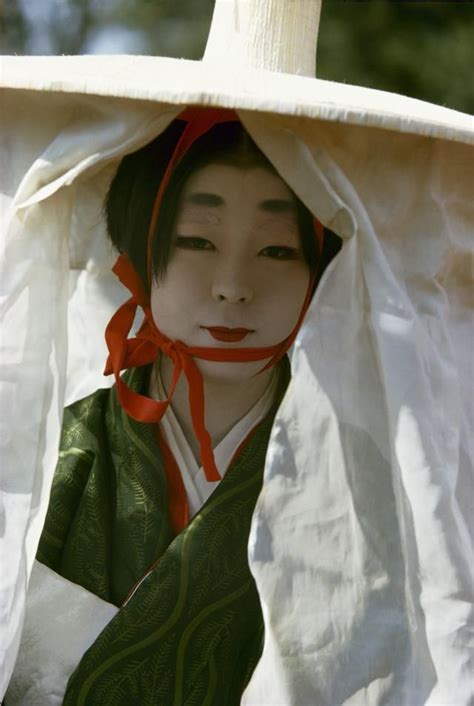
[[231, 285]]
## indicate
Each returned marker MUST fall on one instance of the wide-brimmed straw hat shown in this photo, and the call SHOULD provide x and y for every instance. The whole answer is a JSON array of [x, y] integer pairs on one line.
[[360, 540]]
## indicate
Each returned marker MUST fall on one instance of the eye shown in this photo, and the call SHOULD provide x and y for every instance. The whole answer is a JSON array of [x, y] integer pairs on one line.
[[280, 252], [193, 243]]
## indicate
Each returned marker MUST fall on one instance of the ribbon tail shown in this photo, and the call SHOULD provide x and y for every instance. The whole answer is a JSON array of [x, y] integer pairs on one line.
[[139, 407], [196, 405], [178, 506], [115, 334]]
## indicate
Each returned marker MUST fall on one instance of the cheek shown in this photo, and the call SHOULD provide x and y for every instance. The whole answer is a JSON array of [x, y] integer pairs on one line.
[[174, 300], [167, 307], [287, 302]]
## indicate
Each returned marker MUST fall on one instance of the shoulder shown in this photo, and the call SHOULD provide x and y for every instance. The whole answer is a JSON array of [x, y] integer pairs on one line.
[[86, 421], [79, 449], [84, 465], [84, 414]]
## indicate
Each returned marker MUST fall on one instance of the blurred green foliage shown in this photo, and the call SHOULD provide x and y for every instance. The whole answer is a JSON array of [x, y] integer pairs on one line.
[[420, 49]]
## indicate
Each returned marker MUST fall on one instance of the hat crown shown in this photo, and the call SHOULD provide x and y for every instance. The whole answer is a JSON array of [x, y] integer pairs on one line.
[[276, 35]]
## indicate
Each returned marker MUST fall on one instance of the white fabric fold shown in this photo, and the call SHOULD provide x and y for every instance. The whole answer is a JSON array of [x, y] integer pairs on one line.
[[62, 228], [62, 620], [360, 546]]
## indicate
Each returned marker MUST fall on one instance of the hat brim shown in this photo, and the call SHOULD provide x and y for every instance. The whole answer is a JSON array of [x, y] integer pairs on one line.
[[183, 82]]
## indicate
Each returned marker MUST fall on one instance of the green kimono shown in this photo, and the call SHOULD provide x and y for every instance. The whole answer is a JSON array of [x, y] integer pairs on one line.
[[192, 632]]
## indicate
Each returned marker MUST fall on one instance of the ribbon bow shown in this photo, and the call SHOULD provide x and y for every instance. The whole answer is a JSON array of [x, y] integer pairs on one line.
[[143, 349]]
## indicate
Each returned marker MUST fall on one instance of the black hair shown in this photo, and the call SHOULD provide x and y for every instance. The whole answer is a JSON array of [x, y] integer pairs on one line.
[[132, 193]]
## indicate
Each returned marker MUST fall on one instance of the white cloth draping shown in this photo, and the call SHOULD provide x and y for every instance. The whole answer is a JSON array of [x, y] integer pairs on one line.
[[360, 544], [62, 620]]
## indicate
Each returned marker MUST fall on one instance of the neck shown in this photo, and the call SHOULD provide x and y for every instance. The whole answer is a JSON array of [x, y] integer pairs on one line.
[[226, 402]]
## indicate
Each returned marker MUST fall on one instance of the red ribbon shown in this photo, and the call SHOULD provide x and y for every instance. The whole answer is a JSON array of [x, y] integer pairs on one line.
[[178, 506], [198, 122]]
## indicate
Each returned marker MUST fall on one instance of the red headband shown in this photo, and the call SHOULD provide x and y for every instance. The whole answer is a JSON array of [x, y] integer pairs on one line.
[[127, 352]]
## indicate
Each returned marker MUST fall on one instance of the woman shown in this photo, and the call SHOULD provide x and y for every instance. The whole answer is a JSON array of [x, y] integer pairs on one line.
[[158, 477]]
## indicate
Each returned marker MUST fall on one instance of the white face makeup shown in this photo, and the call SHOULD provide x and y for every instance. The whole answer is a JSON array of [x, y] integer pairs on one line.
[[236, 276]]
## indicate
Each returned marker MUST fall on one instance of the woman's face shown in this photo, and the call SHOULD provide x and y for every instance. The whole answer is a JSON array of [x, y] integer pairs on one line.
[[236, 276]]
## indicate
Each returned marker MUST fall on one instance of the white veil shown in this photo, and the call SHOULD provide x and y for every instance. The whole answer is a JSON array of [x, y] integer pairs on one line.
[[360, 544]]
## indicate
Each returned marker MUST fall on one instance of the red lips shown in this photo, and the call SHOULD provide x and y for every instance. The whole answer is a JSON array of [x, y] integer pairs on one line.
[[228, 335]]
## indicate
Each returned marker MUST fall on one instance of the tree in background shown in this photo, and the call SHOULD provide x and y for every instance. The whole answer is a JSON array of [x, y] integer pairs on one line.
[[420, 49]]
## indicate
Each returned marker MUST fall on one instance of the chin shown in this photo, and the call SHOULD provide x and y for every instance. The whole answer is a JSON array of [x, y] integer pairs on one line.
[[228, 373]]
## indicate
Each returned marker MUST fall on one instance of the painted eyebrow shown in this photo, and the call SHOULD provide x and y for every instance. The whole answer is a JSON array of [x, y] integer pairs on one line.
[[278, 206], [269, 205], [204, 199]]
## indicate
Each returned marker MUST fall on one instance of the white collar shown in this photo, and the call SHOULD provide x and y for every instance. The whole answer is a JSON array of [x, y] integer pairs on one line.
[[198, 488]]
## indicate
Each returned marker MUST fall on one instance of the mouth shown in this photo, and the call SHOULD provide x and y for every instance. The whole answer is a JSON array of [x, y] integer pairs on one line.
[[228, 335]]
